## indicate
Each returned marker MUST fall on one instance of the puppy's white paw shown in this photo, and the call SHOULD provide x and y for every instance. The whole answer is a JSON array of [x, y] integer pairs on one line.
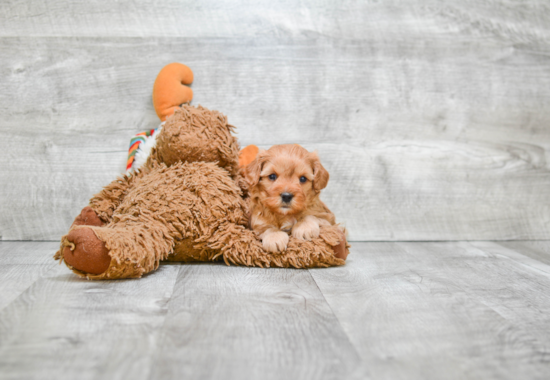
[[306, 229], [275, 241]]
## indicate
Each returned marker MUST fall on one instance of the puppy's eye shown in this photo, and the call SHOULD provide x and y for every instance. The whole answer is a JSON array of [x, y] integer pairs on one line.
[[303, 179], [273, 177]]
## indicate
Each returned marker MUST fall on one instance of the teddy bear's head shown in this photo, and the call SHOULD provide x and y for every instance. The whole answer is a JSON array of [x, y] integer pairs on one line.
[[197, 134]]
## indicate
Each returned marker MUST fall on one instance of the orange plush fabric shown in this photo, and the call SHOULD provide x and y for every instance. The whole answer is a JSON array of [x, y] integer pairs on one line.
[[247, 155], [170, 89]]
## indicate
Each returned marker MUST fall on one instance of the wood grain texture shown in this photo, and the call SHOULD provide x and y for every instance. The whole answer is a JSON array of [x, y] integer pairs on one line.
[[522, 21], [431, 117], [64, 327], [453, 310], [538, 250], [250, 323], [443, 310], [22, 264]]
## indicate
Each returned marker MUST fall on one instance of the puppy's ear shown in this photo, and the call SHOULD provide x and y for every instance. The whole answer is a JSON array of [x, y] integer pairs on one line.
[[321, 176], [253, 170]]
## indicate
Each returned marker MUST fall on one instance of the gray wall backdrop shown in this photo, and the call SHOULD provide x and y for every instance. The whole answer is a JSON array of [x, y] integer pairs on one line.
[[431, 116]]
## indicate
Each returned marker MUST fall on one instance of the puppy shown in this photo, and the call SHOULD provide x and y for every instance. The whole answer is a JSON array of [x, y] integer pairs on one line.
[[284, 186]]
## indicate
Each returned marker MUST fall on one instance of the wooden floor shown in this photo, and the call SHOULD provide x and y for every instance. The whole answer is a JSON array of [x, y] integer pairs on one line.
[[454, 310]]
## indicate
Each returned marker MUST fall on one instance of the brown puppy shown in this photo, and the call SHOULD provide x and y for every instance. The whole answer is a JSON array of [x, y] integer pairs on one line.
[[285, 183]]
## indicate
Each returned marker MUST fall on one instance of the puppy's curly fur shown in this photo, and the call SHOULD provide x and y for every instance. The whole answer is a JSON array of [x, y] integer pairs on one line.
[[284, 185]]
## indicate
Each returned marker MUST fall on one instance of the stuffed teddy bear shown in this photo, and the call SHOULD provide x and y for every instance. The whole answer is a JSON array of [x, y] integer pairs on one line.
[[186, 203]]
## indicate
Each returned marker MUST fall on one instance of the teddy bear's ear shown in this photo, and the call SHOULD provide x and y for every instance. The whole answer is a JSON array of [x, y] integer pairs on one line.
[[321, 176], [253, 170]]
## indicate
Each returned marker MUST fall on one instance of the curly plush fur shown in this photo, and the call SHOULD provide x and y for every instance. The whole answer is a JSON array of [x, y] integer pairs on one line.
[[186, 204]]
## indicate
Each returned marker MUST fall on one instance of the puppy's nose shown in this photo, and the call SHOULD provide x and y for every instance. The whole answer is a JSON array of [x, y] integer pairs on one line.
[[287, 197]]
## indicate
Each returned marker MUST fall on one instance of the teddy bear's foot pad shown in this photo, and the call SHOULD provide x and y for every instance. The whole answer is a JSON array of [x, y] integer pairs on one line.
[[86, 253], [87, 217]]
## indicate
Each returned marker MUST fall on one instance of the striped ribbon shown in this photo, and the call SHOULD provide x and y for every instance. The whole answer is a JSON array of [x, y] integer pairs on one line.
[[135, 143]]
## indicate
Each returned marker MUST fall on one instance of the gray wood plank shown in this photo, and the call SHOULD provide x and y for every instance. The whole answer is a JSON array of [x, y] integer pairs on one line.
[[431, 116], [450, 310], [536, 249], [208, 321], [393, 187], [250, 323], [442, 310], [346, 20], [64, 327], [22, 264]]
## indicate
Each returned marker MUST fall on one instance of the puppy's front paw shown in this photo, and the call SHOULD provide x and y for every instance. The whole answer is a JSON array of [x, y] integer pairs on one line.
[[275, 241], [306, 229]]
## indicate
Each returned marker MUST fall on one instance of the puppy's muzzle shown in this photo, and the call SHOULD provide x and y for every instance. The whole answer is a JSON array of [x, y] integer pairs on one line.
[[287, 197]]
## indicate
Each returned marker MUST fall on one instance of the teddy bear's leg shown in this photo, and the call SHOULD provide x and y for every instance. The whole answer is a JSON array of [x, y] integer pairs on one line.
[[87, 217], [107, 200], [84, 251], [117, 250], [342, 249], [335, 236], [239, 245], [103, 204]]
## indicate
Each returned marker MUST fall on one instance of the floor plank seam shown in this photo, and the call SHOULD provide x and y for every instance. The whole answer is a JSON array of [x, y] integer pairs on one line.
[[160, 329], [335, 316]]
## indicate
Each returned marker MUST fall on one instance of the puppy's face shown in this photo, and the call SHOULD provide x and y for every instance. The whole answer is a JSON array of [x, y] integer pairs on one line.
[[286, 178]]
